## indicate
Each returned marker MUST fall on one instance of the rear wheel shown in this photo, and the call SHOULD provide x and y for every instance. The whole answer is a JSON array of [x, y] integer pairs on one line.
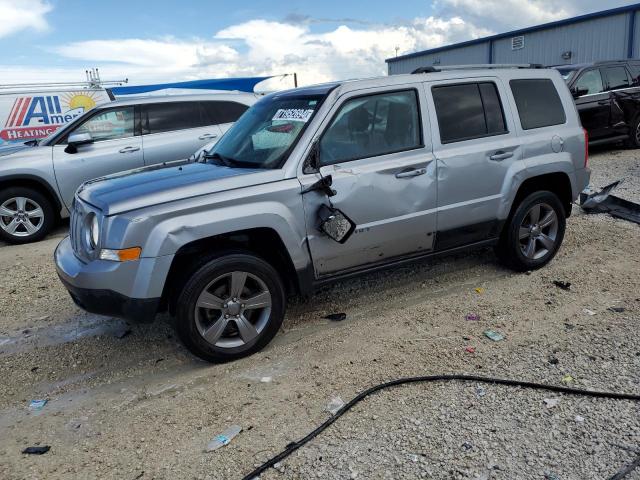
[[634, 133], [534, 232], [25, 215], [231, 307]]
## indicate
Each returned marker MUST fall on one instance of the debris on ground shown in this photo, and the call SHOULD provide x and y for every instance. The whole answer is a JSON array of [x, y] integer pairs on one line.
[[604, 202], [36, 450], [479, 290], [579, 418], [495, 336], [37, 405], [224, 438], [266, 379], [336, 317], [551, 402], [562, 284], [470, 350], [120, 334], [335, 404], [616, 309], [472, 317], [567, 379], [588, 312], [480, 392], [553, 360]]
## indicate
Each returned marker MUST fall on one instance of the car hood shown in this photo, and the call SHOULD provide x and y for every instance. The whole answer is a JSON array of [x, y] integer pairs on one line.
[[11, 149], [164, 183]]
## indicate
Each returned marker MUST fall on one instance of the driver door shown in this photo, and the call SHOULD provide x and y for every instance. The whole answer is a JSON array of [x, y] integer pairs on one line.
[[379, 157], [115, 147]]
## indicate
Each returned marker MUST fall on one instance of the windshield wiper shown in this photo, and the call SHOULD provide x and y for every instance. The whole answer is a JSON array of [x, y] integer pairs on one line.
[[226, 161]]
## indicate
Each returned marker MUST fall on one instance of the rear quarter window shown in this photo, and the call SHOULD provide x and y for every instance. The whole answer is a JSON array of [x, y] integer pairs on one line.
[[538, 103]]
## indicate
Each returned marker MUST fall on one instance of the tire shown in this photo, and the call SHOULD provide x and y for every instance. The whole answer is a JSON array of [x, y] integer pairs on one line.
[[26, 215], [206, 332], [634, 134], [535, 245]]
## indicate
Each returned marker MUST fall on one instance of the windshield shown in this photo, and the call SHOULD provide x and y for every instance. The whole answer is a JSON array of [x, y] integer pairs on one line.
[[567, 73], [266, 133]]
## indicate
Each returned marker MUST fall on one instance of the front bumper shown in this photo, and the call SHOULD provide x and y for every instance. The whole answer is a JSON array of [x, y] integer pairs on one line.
[[97, 286]]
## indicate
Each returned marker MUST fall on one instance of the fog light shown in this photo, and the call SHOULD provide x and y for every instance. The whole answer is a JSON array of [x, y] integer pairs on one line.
[[125, 255]]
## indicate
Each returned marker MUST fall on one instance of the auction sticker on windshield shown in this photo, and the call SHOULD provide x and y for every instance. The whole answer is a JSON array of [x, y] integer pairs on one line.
[[293, 114]]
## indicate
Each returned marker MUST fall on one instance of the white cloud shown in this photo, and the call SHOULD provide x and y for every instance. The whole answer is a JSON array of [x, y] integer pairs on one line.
[[17, 15], [352, 49]]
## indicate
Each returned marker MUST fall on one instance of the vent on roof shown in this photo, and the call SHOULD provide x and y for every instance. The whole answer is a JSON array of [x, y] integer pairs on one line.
[[517, 42]]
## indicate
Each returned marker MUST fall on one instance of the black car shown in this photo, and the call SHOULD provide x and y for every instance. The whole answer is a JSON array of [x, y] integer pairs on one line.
[[607, 95]]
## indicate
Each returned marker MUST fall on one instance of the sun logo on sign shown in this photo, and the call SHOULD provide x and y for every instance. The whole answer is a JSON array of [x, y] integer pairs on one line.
[[84, 100]]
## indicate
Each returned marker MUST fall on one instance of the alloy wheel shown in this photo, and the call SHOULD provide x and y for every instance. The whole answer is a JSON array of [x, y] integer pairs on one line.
[[21, 216], [538, 231], [233, 309]]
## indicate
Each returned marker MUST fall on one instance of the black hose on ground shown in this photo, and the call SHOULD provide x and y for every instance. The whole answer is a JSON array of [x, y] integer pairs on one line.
[[293, 446]]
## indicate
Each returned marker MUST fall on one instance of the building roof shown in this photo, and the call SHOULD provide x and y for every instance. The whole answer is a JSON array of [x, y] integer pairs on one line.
[[521, 31]]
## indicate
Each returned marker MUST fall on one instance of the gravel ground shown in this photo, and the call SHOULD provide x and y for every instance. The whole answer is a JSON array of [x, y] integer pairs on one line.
[[141, 406]]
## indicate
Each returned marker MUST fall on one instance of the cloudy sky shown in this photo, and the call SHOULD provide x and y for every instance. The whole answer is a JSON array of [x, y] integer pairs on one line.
[[56, 40]]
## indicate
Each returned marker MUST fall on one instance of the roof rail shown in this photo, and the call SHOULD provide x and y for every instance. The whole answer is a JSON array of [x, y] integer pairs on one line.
[[433, 69], [93, 81]]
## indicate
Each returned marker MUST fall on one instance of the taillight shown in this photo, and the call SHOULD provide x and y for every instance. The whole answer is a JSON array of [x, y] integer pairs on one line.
[[586, 148]]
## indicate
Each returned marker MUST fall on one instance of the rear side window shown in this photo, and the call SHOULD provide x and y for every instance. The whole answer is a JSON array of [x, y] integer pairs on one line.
[[617, 78], [467, 111], [222, 112], [538, 103], [170, 116]]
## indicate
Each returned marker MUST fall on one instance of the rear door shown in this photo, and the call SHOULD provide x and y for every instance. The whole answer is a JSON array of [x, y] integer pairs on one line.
[[624, 106], [116, 147], [475, 143], [223, 113], [594, 106], [174, 130]]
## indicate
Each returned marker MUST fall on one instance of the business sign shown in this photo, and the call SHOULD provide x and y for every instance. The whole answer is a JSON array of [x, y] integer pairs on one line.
[[31, 116]]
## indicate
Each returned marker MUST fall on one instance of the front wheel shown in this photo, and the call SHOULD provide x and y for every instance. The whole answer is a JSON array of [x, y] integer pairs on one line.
[[534, 232], [231, 307], [25, 215]]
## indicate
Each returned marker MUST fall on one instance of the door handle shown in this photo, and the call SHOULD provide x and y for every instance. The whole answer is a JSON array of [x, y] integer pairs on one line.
[[129, 149], [501, 156], [411, 173], [207, 136]]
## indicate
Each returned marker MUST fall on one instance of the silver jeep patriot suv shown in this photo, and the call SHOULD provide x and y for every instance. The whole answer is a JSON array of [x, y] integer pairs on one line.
[[319, 183]]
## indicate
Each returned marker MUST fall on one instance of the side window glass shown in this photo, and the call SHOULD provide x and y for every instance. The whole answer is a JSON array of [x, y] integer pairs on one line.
[[617, 78], [219, 112], [591, 82], [538, 103], [470, 110], [169, 116], [371, 126], [109, 125]]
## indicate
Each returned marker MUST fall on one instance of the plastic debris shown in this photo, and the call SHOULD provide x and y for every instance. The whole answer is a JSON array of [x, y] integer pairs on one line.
[[479, 290], [470, 350], [224, 438], [579, 418], [590, 199], [495, 336], [616, 309], [562, 284], [604, 202], [266, 379], [472, 317], [37, 405], [553, 360], [36, 450], [336, 317], [335, 405], [567, 379], [551, 402], [588, 312], [480, 392]]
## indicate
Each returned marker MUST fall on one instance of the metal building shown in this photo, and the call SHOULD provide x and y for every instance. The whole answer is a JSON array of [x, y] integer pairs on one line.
[[607, 35]]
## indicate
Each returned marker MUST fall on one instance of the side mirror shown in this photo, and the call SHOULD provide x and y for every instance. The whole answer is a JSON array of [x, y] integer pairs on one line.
[[578, 92], [76, 139], [335, 224]]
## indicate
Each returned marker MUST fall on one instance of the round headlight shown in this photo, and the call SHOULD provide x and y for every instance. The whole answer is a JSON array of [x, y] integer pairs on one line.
[[95, 232]]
